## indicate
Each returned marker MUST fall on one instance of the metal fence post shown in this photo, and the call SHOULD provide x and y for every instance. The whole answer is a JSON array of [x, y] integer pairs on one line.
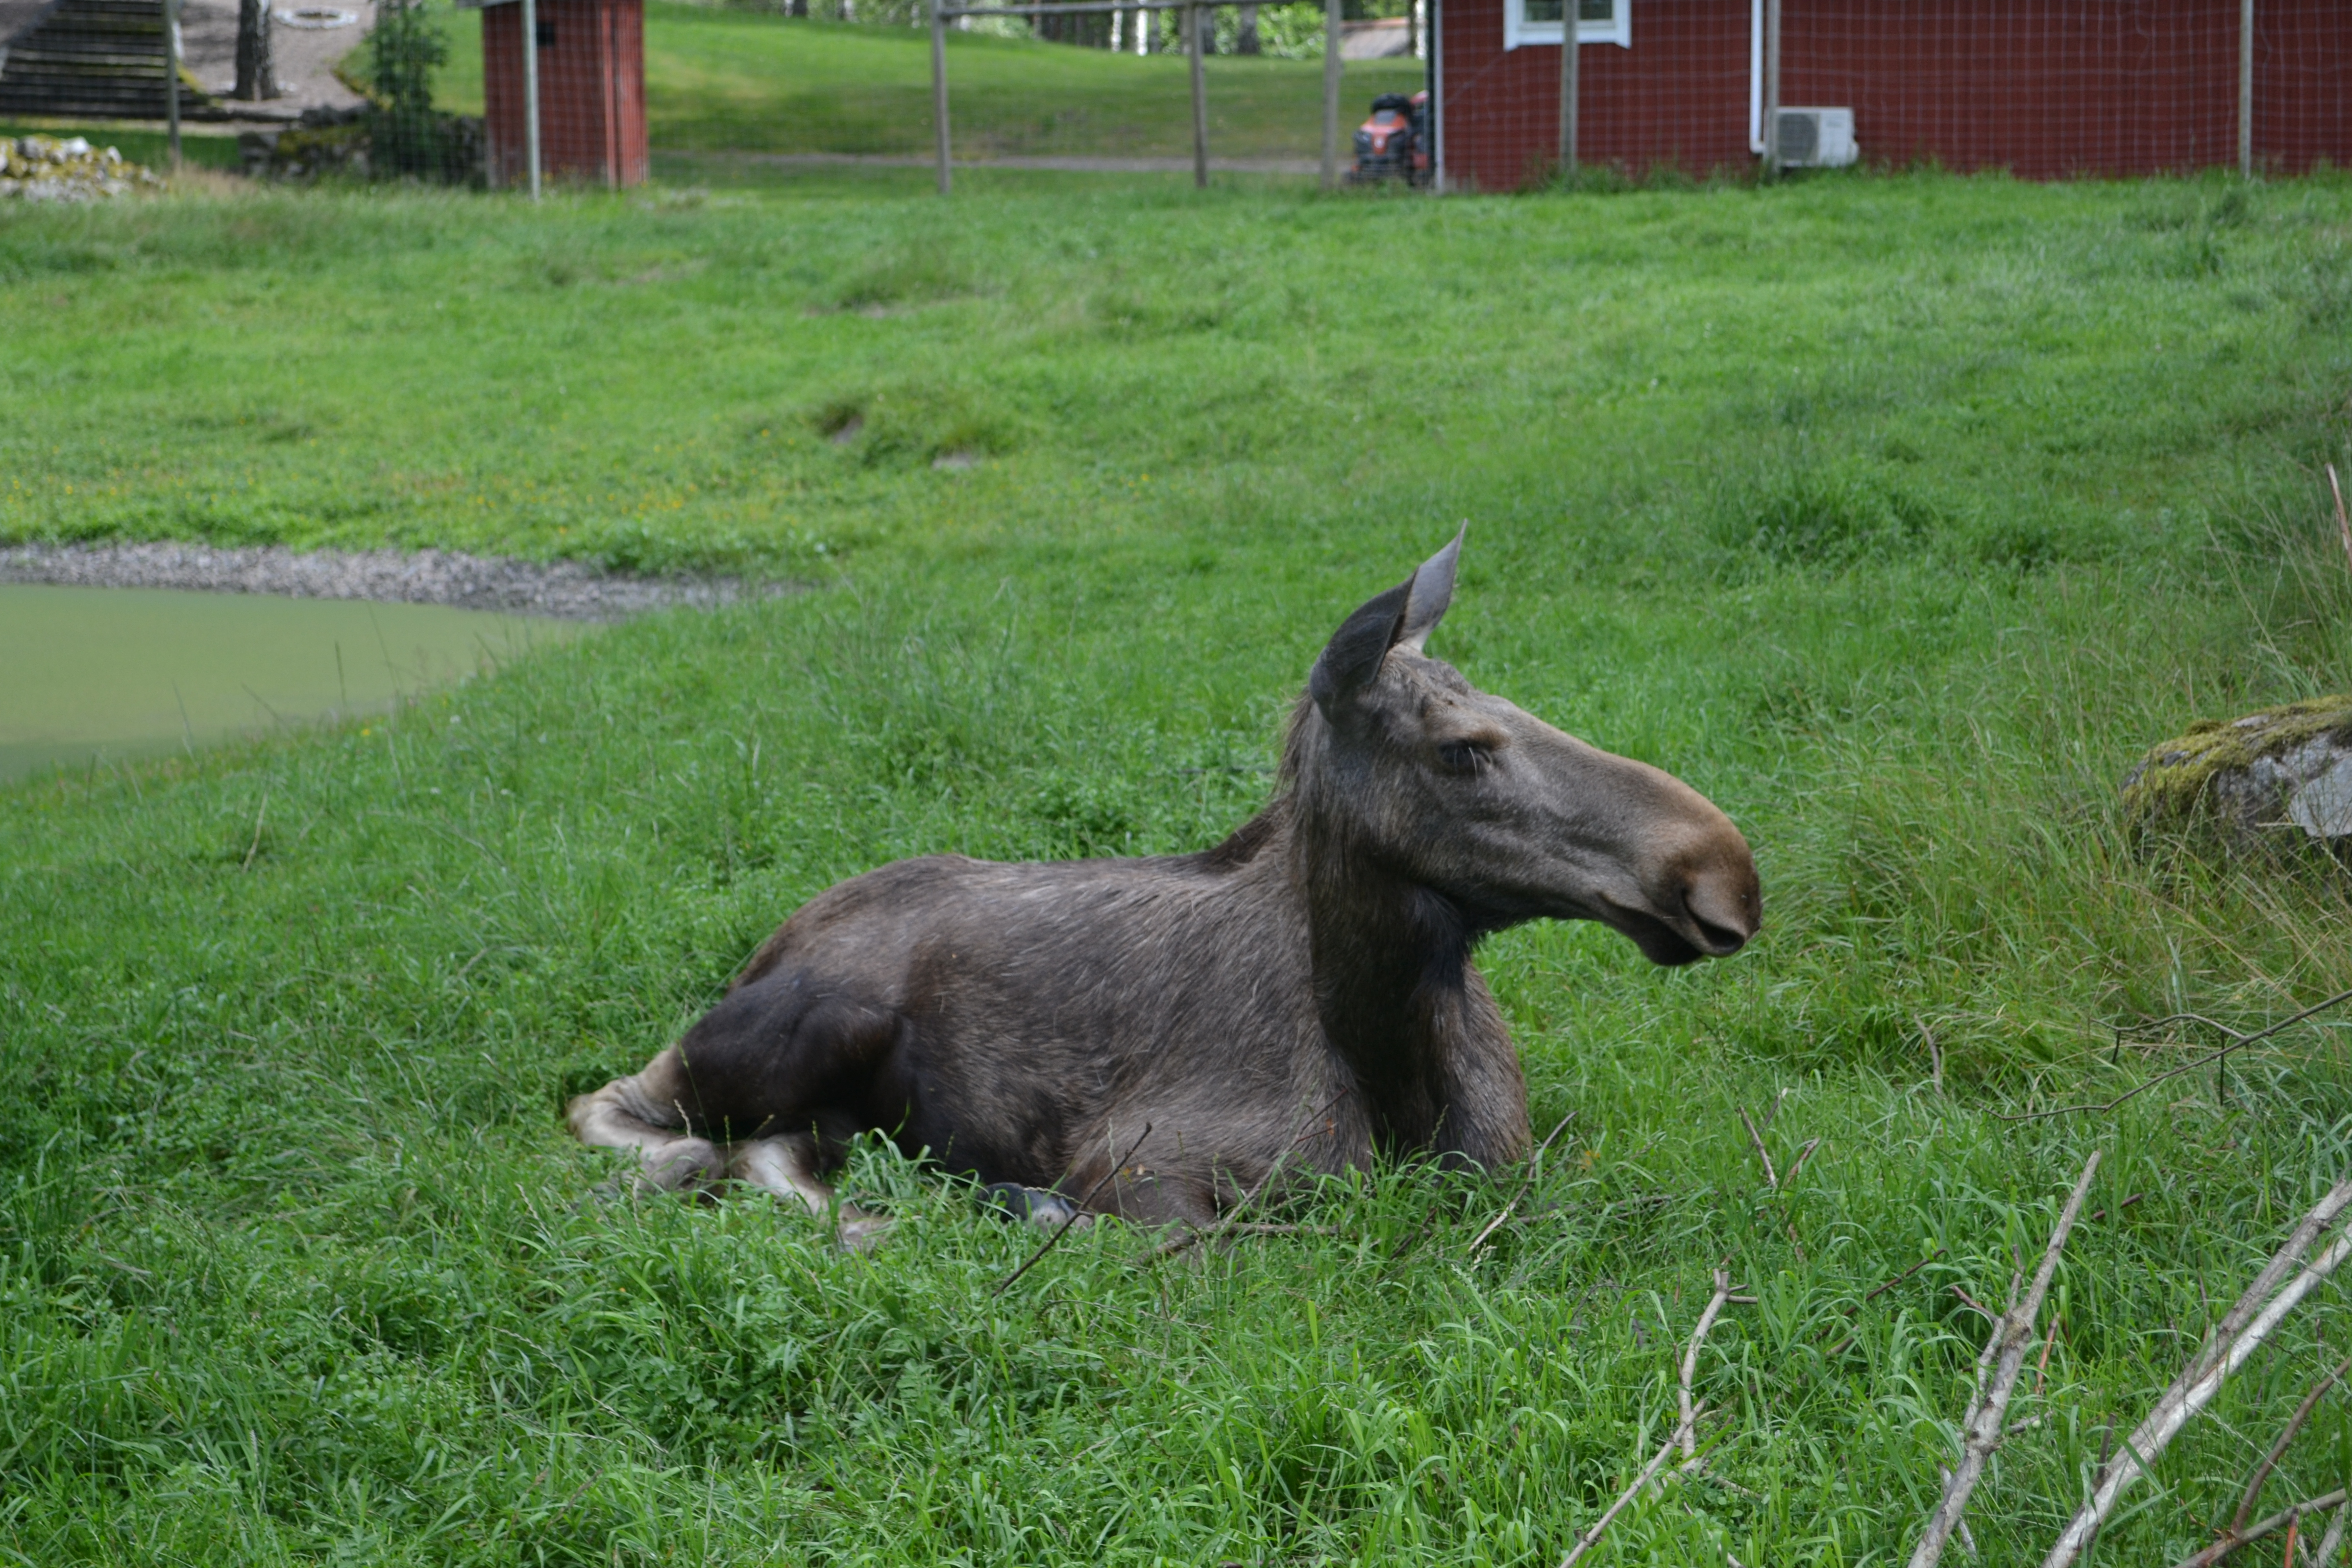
[[1332, 94], [530, 93], [1571, 52], [2246, 90], [939, 90], [1193, 16]]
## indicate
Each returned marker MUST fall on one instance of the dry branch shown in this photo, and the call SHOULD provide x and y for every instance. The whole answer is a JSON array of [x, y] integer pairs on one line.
[[1495, 1224], [2237, 1042], [1231, 1221], [1584, 1543], [2278, 1450], [2266, 1302], [2343, 523], [1687, 1435], [1876, 1291], [2231, 1540], [1072, 1219], [2323, 1556], [1756, 1142], [1789, 1178], [2004, 1358]]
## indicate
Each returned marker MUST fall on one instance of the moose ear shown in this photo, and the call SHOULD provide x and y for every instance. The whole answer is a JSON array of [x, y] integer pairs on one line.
[[1353, 654], [1404, 614], [1432, 589]]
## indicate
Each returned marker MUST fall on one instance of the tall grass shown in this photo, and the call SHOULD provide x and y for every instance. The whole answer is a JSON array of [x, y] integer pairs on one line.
[[1875, 508]]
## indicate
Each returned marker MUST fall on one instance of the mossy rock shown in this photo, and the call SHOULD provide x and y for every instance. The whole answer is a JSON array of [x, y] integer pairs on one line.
[[2284, 773]]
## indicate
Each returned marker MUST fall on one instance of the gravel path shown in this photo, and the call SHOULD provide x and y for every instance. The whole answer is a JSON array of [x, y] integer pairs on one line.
[[563, 589]]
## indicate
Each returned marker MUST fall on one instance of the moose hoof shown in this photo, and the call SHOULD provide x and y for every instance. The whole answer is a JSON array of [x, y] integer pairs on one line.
[[1038, 1205], [862, 1233]]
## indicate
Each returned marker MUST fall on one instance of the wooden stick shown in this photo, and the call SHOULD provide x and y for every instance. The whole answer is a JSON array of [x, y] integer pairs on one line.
[[1756, 1142], [1527, 1181], [2237, 1042], [255, 849], [1877, 1291], [2343, 523], [1064, 1228], [2004, 1356], [2237, 1336], [1789, 1178], [1687, 1432], [1584, 1543], [2230, 1540], [1231, 1218], [2278, 1450], [2323, 1555]]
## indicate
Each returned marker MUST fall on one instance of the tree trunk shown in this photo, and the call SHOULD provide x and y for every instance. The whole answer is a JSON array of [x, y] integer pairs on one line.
[[257, 73], [1246, 42]]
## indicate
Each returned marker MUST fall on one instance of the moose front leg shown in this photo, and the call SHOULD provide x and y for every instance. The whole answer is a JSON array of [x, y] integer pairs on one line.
[[1484, 1116]]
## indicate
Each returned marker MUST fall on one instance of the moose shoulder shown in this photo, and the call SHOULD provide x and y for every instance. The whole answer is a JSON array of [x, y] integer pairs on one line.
[[1302, 993]]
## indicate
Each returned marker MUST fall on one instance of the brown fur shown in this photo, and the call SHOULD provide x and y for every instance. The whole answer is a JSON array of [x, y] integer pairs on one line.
[[1304, 989]]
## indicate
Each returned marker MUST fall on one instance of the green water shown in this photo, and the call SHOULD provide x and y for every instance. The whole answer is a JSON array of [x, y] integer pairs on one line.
[[96, 673]]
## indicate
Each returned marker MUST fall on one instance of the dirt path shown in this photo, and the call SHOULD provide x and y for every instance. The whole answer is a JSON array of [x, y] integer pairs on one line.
[[304, 55]]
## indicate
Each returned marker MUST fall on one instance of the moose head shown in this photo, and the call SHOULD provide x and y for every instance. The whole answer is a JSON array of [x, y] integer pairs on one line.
[[1508, 818]]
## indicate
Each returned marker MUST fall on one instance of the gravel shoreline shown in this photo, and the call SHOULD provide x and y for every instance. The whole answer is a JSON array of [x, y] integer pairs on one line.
[[563, 589]]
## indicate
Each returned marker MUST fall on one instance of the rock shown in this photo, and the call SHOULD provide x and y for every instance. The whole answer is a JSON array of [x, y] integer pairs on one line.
[[44, 169], [2260, 779]]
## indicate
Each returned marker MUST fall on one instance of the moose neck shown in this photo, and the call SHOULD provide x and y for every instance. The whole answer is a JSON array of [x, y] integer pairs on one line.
[[1391, 963]]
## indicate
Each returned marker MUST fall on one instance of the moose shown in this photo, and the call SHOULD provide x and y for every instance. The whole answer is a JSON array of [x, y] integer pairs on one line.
[[1154, 1039]]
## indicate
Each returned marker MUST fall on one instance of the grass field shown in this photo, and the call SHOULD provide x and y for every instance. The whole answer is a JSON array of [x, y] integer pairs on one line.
[[1896, 514], [719, 80]]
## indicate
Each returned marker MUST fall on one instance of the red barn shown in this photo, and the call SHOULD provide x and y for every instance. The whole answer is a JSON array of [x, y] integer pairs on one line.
[[592, 91], [2044, 88]]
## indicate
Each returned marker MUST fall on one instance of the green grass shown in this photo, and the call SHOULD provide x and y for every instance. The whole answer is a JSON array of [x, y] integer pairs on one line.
[[719, 80], [1896, 514]]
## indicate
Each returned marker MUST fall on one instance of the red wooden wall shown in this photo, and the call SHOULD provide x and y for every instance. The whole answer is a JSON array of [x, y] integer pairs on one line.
[[2045, 88], [592, 92]]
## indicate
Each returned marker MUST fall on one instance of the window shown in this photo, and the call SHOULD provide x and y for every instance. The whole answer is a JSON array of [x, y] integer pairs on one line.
[[1527, 22]]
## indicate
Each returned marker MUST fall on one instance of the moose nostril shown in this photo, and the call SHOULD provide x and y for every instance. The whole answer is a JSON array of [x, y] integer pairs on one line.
[[1718, 937], [1723, 938]]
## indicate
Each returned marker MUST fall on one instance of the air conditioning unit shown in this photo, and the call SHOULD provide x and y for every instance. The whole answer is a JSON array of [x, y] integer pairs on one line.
[[1817, 139]]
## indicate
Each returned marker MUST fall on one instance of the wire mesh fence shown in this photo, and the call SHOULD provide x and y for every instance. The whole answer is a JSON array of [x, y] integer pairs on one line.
[[2042, 89], [1165, 85]]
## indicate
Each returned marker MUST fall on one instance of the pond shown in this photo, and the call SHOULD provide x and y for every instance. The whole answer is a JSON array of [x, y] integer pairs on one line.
[[89, 674]]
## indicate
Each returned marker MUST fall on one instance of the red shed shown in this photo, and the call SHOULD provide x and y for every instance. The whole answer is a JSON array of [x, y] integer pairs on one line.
[[592, 91], [2044, 88]]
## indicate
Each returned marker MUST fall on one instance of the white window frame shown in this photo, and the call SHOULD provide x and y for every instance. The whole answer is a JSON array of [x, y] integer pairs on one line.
[[1520, 33]]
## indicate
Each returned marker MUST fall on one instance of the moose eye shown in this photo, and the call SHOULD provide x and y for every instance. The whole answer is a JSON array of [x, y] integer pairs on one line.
[[1465, 756]]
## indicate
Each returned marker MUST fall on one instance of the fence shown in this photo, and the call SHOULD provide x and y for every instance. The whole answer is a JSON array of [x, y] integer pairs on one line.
[[1195, 16]]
